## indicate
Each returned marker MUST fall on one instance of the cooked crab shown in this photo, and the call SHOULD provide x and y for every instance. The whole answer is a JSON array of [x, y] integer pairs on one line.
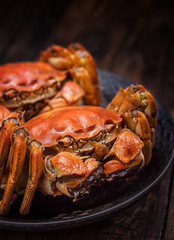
[[36, 86], [70, 149]]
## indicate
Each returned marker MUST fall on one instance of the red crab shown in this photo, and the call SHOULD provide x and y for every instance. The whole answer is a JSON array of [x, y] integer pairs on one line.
[[70, 149], [62, 77]]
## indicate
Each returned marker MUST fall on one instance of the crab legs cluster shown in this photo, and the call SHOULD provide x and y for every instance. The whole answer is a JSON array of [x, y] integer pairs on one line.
[[70, 149]]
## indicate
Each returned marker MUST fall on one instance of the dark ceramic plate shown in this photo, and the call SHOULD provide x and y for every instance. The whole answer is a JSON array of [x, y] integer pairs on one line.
[[60, 212]]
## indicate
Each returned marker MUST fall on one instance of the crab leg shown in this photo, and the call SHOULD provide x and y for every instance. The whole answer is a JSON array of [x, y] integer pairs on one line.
[[82, 77], [120, 97], [84, 58], [17, 160], [135, 97], [138, 123], [5, 138], [35, 172], [8, 127], [70, 94], [78, 62], [139, 113]]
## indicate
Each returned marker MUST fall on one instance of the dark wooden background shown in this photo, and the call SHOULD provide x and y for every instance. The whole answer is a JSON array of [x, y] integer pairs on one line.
[[132, 38]]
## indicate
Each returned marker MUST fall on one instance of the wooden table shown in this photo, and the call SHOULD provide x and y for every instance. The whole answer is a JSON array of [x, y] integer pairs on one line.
[[133, 39]]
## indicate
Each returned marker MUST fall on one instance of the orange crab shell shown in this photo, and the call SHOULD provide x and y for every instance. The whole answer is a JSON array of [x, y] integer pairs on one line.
[[78, 122], [27, 76]]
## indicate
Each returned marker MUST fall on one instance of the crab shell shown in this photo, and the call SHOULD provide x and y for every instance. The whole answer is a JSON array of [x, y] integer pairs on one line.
[[83, 122], [28, 83]]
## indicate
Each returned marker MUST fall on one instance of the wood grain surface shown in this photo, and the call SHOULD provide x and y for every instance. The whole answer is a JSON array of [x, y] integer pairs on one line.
[[132, 38]]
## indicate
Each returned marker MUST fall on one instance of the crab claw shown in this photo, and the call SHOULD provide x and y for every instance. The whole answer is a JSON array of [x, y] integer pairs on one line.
[[70, 94], [126, 152], [66, 171], [67, 164], [127, 146]]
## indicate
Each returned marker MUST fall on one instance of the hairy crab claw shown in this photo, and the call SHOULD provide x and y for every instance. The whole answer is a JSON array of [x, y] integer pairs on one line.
[[43, 85], [70, 149]]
